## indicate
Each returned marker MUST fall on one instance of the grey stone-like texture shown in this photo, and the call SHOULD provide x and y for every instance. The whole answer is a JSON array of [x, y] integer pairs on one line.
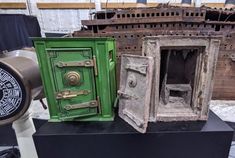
[[207, 49], [135, 89]]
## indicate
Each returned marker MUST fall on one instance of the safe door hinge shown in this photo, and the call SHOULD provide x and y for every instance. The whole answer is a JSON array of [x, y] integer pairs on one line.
[[67, 94], [95, 65], [84, 63], [90, 104]]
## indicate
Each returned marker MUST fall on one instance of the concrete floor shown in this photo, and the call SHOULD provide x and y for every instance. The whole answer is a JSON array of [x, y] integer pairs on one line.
[[232, 150], [226, 111]]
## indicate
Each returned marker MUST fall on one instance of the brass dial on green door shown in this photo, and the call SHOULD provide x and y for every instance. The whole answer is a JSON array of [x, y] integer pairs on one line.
[[72, 78]]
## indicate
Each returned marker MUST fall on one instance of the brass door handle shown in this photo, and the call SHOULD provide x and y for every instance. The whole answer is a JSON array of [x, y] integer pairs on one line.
[[71, 94]]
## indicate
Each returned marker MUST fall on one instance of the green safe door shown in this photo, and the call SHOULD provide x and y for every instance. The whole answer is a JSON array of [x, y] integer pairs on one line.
[[79, 77], [74, 72]]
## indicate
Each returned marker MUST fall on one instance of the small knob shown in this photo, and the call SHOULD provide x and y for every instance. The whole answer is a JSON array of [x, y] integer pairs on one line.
[[72, 78], [132, 81]]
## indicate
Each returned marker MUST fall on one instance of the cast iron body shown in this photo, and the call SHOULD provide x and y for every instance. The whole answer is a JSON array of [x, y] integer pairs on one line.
[[78, 76]]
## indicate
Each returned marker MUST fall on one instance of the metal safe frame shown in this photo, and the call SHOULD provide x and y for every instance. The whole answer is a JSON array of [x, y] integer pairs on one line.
[[79, 77], [207, 48]]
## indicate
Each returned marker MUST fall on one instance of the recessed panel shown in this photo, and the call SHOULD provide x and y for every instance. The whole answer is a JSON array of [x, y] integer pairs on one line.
[[135, 90]]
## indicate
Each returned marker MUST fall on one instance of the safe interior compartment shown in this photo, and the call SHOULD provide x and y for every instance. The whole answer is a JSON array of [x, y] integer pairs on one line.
[[178, 75], [183, 76]]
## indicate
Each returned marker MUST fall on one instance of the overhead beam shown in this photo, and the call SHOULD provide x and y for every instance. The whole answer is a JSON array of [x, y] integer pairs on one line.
[[22, 5], [90, 5], [127, 5], [66, 5], [12, 5], [214, 5], [44, 5]]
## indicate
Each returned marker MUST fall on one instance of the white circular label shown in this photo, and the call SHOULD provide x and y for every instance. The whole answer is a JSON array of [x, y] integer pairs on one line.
[[10, 94]]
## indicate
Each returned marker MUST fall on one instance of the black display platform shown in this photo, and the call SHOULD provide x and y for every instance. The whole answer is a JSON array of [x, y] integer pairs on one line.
[[211, 139]]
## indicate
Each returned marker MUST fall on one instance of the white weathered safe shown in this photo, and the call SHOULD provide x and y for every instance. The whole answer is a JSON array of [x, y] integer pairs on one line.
[[181, 82]]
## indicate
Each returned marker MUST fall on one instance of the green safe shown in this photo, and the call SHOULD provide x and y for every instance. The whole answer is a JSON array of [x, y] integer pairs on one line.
[[79, 77]]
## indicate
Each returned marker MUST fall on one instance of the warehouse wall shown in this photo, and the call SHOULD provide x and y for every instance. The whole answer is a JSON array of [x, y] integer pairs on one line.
[[68, 20]]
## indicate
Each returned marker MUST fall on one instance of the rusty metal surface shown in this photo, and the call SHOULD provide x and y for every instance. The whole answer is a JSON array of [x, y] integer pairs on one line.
[[184, 73], [150, 15], [129, 26]]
